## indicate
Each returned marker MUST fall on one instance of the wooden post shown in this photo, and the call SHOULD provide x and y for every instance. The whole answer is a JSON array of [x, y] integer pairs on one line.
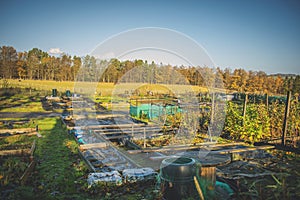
[[245, 108], [208, 179], [267, 101], [212, 109], [286, 115], [151, 114], [209, 174], [144, 137]]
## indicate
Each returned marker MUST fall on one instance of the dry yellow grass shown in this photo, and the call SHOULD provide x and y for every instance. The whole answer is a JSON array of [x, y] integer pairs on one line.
[[106, 89]]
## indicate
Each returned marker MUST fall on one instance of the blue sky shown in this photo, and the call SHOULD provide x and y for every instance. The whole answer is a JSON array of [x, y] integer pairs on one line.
[[255, 35]]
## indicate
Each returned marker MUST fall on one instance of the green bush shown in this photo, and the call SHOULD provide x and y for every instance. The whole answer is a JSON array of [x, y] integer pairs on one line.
[[254, 128]]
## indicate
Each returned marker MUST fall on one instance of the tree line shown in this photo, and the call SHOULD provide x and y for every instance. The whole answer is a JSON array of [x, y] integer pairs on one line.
[[39, 65]]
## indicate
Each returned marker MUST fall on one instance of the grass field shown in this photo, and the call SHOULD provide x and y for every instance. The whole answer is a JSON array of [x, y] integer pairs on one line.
[[105, 89], [19, 101], [25, 107]]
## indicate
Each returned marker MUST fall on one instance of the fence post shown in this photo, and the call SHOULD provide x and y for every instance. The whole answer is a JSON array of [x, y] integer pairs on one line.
[[267, 101], [212, 108], [245, 108], [286, 115], [144, 137]]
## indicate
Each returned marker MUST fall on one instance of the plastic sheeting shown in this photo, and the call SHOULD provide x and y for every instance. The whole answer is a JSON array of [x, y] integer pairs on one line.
[[113, 177], [134, 175]]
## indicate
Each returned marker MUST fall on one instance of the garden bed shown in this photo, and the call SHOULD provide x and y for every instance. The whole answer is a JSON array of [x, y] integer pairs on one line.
[[16, 162]]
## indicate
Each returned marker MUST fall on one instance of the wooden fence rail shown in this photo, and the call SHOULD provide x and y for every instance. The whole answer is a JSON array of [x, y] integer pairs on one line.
[[31, 166]]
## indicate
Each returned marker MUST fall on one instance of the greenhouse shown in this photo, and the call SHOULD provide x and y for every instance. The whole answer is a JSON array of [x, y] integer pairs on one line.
[[150, 110]]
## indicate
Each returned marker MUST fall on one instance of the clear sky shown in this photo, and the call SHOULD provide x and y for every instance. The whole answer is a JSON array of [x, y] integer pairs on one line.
[[254, 35]]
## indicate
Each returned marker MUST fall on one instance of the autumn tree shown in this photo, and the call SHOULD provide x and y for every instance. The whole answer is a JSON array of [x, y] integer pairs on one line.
[[8, 61], [227, 77], [37, 64], [296, 85], [22, 65], [34, 63], [76, 64]]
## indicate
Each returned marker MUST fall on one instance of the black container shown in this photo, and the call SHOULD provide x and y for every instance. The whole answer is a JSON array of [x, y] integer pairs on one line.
[[54, 92], [177, 178], [179, 169]]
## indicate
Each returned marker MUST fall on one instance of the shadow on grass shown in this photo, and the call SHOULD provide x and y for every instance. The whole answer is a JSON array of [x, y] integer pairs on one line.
[[59, 172], [9, 100]]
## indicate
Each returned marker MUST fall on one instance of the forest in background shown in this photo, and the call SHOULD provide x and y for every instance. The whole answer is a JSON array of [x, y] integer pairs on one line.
[[39, 65]]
